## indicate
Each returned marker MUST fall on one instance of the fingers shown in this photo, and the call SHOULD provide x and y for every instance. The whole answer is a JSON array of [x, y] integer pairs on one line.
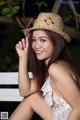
[[23, 43], [19, 45]]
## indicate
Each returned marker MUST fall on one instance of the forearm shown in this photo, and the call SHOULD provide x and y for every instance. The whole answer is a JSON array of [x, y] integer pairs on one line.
[[74, 115], [23, 79]]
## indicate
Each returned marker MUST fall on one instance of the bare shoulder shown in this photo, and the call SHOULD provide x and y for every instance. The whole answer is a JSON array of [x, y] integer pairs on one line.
[[59, 70], [57, 67]]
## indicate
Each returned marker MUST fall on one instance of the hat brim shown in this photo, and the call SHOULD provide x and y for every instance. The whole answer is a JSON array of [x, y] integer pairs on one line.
[[63, 34]]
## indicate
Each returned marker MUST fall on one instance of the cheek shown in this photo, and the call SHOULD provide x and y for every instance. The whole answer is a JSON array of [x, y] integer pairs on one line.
[[51, 50]]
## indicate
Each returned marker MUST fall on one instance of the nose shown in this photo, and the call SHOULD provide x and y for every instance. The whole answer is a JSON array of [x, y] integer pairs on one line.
[[37, 45]]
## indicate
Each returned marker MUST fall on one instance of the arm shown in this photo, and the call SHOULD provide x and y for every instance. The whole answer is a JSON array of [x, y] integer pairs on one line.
[[64, 80], [26, 86], [75, 114]]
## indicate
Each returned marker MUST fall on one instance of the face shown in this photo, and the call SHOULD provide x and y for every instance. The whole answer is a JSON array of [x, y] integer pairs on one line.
[[42, 45]]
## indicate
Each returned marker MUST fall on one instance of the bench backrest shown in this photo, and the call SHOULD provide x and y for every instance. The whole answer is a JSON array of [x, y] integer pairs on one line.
[[9, 86]]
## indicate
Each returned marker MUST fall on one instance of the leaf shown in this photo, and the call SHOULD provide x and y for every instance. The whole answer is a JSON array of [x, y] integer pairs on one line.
[[44, 3], [39, 4], [5, 11], [68, 18], [2, 3], [17, 7], [9, 15], [15, 10]]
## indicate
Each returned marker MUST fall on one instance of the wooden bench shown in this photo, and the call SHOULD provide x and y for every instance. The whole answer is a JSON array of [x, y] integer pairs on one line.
[[9, 94]]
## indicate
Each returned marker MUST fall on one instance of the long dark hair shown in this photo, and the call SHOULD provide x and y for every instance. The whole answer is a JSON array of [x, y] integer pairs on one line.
[[39, 68]]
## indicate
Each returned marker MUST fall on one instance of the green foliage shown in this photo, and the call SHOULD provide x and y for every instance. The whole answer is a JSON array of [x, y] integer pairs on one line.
[[5, 11], [12, 7], [68, 18], [40, 4], [9, 10], [2, 3], [15, 10]]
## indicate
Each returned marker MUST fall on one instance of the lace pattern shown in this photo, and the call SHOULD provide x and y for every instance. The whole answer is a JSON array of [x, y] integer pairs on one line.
[[61, 108], [48, 93], [62, 115]]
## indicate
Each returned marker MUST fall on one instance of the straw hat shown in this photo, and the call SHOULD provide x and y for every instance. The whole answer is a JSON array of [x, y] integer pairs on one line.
[[49, 21]]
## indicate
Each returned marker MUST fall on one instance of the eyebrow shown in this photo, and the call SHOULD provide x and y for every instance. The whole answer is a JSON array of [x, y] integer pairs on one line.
[[41, 37]]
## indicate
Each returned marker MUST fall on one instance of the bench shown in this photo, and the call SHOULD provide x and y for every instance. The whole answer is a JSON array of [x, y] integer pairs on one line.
[[9, 94]]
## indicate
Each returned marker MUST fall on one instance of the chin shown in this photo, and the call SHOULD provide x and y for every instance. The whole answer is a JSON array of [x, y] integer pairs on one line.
[[40, 58]]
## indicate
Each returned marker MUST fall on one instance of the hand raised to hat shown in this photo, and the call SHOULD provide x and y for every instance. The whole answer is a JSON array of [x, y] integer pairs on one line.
[[22, 47]]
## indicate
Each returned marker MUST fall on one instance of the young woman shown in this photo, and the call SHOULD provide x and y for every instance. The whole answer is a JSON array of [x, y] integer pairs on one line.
[[54, 91]]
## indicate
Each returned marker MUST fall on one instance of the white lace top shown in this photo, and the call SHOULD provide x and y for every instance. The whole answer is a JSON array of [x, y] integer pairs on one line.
[[61, 109]]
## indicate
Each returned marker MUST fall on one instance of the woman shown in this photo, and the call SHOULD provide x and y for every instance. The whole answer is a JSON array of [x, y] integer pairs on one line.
[[54, 91]]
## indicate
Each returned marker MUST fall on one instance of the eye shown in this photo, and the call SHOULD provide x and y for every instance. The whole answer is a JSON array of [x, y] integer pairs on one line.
[[33, 40], [42, 40]]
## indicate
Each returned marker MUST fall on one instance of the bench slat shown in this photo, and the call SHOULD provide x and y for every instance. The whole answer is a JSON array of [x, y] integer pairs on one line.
[[11, 99], [10, 77], [10, 95]]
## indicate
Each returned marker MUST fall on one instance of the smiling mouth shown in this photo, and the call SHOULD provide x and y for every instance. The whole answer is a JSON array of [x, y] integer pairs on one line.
[[38, 51]]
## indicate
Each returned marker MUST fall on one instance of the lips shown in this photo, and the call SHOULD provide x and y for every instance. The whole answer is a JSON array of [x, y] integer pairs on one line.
[[38, 51]]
